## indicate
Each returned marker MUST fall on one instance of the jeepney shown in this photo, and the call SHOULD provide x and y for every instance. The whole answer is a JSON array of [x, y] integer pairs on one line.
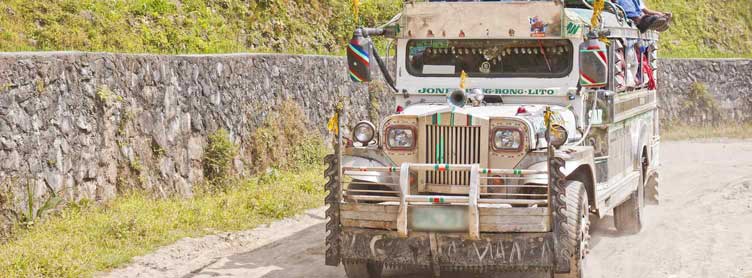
[[515, 121]]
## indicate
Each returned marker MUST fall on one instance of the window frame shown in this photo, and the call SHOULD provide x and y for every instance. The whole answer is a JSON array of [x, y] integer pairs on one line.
[[565, 73]]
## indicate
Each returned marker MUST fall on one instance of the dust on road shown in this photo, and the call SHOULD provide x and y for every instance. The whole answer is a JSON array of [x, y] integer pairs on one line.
[[703, 228]]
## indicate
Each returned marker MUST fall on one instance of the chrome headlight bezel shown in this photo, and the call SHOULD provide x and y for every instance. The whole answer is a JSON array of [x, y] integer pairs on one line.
[[391, 133], [517, 135], [364, 132], [557, 138]]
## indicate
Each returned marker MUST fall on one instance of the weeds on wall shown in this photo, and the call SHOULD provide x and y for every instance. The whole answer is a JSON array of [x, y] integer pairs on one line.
[[375, 89], [700, 104], [12, 216], [218, 157], [33, 213], [285, 140], [107, 96]]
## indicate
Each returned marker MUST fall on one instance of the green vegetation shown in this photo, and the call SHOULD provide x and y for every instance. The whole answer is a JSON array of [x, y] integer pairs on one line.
[[105, 95], [701, 104], [34, 213], [706, 28], [690, 132], [84, 238], [218, 159], [702, 28], [375, 89], [285, 141], [186, 26]]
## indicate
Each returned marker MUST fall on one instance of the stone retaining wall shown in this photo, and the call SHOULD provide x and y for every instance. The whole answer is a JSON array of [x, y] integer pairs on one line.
[[74, 122], [728, 94]]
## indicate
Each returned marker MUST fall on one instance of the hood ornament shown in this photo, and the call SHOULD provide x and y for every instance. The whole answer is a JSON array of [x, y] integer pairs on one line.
[[459, 97]]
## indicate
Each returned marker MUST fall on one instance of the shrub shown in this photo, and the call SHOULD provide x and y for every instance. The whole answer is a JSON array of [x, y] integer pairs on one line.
[[701, 104], [285, 141], [218, 159]]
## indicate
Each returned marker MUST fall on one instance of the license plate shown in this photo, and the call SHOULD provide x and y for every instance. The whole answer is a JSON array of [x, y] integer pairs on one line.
[[438, 218]]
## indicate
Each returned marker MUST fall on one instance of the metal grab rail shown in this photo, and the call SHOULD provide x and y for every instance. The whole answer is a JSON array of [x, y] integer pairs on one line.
[[474, 197], [471, 200], [446, 167]]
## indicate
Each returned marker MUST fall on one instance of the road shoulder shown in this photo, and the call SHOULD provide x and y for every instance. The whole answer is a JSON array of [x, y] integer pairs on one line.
[[191, 255]]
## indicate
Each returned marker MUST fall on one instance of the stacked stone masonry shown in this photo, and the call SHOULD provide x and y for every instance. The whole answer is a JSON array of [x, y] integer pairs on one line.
[[728, 83], [76, 123], [84, 124]]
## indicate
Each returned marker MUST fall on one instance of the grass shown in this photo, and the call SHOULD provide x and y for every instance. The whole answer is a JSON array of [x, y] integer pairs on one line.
[[687, 132], [85, 238], [285, 140], [706, 28], [218, 158], [185, 26], [702, 28]]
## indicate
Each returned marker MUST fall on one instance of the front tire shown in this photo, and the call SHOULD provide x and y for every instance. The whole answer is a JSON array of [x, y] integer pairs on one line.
[[577, 228], [363, 269], [652, 195]]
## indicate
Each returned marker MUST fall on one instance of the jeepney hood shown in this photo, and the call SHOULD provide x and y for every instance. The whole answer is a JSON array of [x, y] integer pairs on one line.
[[530, 115]]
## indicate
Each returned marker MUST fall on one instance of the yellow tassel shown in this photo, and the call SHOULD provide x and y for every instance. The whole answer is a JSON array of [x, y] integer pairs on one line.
[[598, 6], [355, 7], [332, 125], [463, 80], [550, 118]]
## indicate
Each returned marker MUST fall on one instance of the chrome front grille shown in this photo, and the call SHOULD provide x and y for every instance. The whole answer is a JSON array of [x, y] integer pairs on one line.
[[451, 145]]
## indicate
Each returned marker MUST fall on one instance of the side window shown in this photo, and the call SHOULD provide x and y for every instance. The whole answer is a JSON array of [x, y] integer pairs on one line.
[[593, 64]]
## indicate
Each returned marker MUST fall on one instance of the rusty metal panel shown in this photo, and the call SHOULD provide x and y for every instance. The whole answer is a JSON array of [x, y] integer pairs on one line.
[[386, 247], [497, 251], [482, 20], [492, 252]]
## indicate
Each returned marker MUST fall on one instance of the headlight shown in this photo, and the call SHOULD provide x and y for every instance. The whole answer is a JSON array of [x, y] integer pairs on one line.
[[400, 138], [364, 132], [558, 135], [506, 139]]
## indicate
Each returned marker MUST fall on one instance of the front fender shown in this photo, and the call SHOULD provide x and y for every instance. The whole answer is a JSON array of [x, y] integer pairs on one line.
[[368, 157], [574, 157], [640, 139]]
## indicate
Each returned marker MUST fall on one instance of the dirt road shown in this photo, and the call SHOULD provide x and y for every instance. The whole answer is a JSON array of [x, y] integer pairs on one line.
[[703, 228]]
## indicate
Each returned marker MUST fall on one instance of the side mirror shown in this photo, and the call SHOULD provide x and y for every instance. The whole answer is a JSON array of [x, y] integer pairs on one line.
[[359, 57], [593, 64]]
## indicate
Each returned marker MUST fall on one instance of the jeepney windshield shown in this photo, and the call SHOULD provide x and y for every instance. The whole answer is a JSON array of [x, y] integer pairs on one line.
[[541, 58]]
